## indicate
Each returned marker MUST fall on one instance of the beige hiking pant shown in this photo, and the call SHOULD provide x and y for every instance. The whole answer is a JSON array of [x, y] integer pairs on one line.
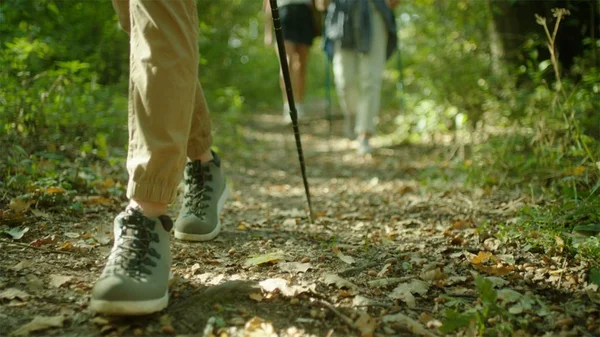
[[168, 116], [358, 77]]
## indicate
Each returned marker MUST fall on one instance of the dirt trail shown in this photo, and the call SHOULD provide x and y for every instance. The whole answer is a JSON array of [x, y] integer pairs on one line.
[[397, 237]]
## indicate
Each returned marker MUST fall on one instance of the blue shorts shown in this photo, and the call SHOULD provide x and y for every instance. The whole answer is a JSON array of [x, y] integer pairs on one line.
[[297, 23]]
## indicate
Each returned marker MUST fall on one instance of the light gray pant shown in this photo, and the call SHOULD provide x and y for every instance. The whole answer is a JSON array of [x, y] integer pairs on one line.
[[358, 77]]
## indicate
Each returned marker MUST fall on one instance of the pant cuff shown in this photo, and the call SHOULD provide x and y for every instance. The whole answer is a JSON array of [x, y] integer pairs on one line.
[[198, 146], [152, 192], [358, 131]]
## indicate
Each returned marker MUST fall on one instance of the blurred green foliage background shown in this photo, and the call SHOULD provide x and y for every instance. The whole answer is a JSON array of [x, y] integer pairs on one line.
[[472, 71]]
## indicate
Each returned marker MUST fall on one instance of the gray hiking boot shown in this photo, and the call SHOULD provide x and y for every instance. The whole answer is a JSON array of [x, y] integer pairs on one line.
[[363, 146], [204, 195], [135, 279]]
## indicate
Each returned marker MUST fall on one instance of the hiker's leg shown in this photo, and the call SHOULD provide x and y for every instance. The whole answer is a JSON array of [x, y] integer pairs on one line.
[[200, 139], [163, 84], [300, 67], [344, 71], [162, 88], [371, 67]]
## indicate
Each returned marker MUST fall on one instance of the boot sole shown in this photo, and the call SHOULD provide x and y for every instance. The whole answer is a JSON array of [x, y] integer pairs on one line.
[[215, 232], [129, 308]]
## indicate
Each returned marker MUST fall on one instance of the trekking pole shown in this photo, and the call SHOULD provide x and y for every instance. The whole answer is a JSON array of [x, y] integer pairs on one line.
[[400, 84], [290, 96], [328, 87]]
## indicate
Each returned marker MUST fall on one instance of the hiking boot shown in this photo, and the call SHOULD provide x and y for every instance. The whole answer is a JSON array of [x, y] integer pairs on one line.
[[204, 195], [363, 146], [135, 279]]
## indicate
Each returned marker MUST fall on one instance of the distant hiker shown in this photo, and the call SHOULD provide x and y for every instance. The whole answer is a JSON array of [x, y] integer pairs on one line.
[[169, 133], [298, 27], [360, 35]]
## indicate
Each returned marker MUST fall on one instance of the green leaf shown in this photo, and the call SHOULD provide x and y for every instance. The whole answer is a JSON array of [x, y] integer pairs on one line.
[[592, 227], [595, 276], [486, 290], [454, 320], [52, 7], [544, 64], [509, 295]]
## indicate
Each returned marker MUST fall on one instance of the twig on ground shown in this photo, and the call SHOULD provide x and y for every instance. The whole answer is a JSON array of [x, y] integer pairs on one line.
[[372, 305], [19, 244], [563, 268], [460, 249], [355, 270], [344, 318], [410, 221]]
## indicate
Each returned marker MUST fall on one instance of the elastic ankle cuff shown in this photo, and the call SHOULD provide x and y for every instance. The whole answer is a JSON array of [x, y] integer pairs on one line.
[[152, 192]]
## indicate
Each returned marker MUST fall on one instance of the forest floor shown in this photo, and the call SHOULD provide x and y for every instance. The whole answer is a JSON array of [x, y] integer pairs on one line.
[[400, 246]]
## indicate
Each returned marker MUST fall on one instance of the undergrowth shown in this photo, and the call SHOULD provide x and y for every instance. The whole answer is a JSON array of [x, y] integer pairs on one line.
[[551, 160]]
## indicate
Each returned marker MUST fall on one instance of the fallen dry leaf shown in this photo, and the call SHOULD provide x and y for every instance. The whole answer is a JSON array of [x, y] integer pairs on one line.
[[347, 259], [462, 224], [237, 320], [34, 284], [405, 291], [257, 260], [403, 322], [384, 282], [272, 284], [39, 323], [72, 235], [17, 233], [497, 281], [365, 324], [67, 245], [457, 241], [258, 327], [43, 241], [494, 270], [593, 293], [338, 281], [290, 222], [97, 200], [560, 243], [433, 275], [386, 268], [55, 190], [509, 295], [58, 281], [12, 293], [452, 280], [99, 320], [102, 238], [492, 244], [12, 217], [40, 214], [482, 257], [19, 205], [294, 267], [361, 301], [22, 265]]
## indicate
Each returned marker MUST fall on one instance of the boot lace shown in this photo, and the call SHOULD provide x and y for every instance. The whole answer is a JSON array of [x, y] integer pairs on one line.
[[197, 199], [133, 253]]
